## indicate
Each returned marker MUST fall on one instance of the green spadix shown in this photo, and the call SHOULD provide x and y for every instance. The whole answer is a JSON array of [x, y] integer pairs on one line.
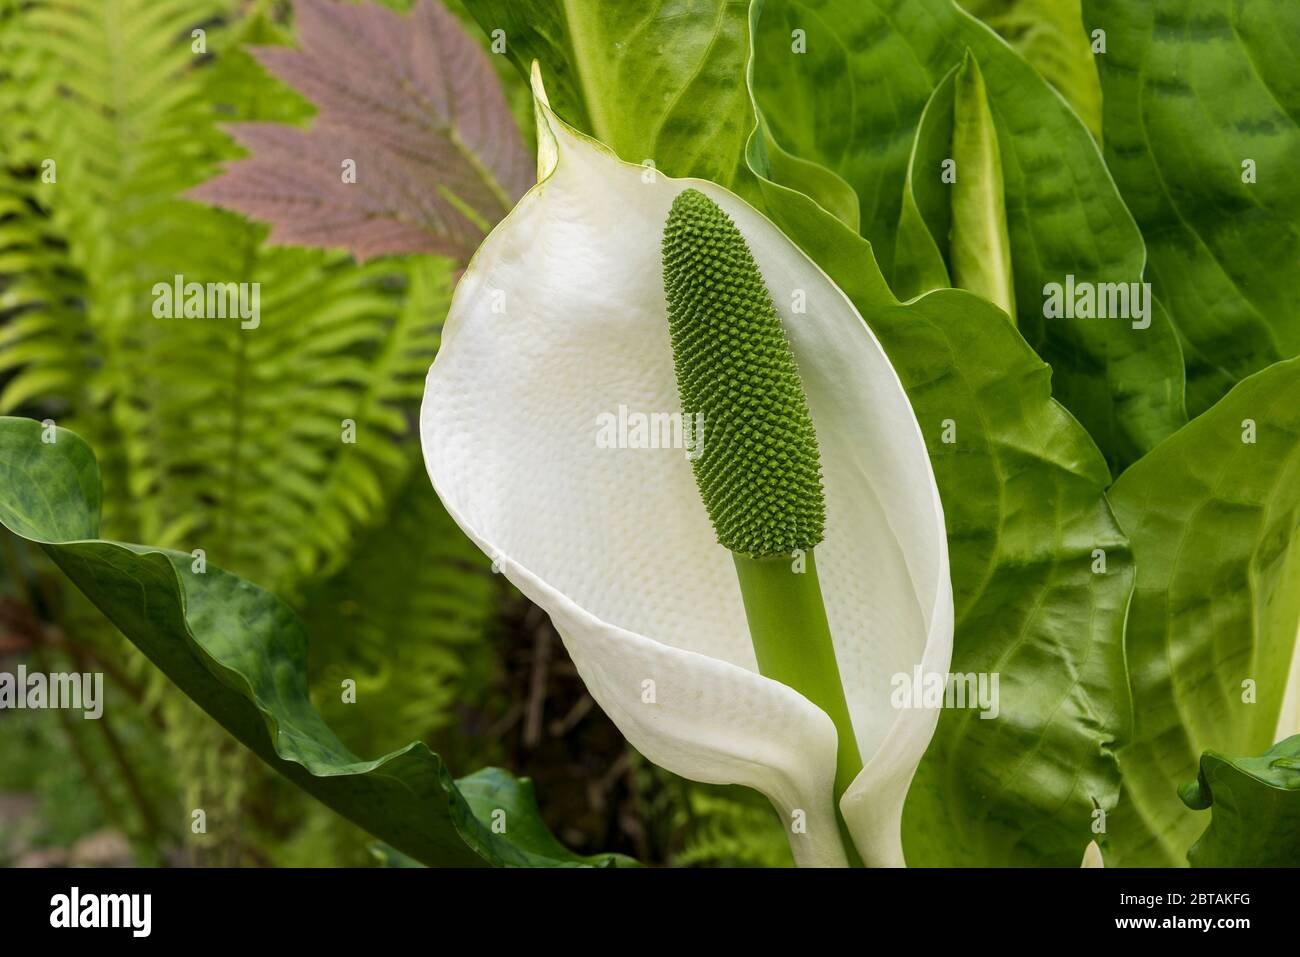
[[761, 481], [760, 471]]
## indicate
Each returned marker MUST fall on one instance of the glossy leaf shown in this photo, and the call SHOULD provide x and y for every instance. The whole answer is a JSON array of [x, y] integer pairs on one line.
[[1197, 94], [496, 794], [1018, 465], [240, 654], [1064, 215], [1035, 552], [656, 81], [1050, 35], [1213, 515], [925, 218], [1022, 486], [1255, 808]]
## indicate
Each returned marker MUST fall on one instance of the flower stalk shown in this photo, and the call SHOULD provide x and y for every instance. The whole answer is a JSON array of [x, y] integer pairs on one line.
[[761, 479], [792, 642]]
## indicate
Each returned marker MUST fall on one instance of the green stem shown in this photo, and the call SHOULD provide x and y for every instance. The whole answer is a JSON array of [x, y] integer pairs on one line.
[[792, 642]]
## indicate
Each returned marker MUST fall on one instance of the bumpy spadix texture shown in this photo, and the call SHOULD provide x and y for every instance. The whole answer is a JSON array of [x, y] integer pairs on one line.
[[759, 471]]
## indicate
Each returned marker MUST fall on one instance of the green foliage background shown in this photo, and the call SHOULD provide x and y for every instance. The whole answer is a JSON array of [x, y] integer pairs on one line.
[[211, 438]]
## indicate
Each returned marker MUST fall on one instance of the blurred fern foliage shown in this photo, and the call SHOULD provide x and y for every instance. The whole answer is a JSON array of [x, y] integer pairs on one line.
[[285, 453]]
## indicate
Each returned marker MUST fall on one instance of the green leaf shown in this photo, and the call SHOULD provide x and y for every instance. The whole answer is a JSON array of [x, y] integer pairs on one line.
[[979, 249], [1064, 214], [391, 857], [1194, 89], [1050, 35], [497, 795], [925, 218], [1023, 494], [1256, 808], [656, 80], [816, 182], [240, 654], [1213, 517], [1041, 578]]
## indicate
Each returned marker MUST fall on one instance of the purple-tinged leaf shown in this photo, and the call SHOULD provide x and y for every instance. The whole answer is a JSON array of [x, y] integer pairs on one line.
[[415, 106]]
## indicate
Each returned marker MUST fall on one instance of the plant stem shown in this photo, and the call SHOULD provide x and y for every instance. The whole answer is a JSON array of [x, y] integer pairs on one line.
[[792, 642]]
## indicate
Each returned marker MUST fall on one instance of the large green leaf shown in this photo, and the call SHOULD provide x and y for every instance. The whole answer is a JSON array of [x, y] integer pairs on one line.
[[1193, 89], [1023, 493], [240, 654], [1064, 214], [657, 80], [1255, 804], [1213, 518], [1050, 35], [1041, 578]]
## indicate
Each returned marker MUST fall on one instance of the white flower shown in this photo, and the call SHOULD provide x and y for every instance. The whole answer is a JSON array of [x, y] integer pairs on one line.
[[559, 321]]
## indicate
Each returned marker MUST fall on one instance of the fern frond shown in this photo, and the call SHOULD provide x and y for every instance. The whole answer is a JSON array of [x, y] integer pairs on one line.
[[732, 827], [226, 439], [41, 329], [111, 122], [213, 436]]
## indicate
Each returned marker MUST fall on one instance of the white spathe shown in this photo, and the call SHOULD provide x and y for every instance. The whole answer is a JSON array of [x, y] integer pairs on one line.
[[558, 321]]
